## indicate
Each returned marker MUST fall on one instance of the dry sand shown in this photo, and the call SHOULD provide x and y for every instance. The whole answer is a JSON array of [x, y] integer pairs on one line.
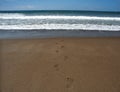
[[60, 65]]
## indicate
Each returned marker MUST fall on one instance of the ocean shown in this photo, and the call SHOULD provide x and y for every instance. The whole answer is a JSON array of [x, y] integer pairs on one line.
[[35, 23], [66, 20]]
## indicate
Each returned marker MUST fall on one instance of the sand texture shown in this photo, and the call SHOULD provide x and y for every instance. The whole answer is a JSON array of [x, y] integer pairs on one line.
[[60, 65]]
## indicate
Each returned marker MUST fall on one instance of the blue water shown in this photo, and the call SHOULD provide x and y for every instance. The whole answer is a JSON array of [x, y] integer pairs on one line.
[[66, 12]]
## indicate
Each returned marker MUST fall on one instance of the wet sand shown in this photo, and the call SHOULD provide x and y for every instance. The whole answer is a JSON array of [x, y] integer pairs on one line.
[[60, 65]]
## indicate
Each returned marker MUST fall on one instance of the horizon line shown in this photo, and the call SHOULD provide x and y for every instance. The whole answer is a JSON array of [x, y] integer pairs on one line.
[[58, 10]]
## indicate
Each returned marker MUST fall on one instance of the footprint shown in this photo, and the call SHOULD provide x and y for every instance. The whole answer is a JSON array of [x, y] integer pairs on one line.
[[61, 40], [56, 43], [62, 46], [57, 51], [65, 57], [69, 81], [56, 66]]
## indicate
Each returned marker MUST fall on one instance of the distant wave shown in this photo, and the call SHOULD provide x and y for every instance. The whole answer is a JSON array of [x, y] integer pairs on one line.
[[22, 16]]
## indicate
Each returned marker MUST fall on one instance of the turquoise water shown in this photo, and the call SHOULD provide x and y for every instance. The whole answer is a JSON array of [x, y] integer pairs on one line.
[[65, 20]]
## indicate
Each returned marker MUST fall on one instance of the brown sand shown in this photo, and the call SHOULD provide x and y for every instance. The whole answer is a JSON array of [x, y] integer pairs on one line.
[[60, 65]]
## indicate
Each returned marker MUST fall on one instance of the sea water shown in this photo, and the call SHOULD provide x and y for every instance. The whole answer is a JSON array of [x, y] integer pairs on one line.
[[60, 20]]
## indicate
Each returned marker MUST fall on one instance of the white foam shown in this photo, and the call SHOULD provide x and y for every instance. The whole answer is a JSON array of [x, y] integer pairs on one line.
[[26, 26], [63, 26], [22, 16]]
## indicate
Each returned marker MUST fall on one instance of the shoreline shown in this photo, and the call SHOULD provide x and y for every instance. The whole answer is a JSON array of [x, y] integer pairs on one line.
[[36, 33]]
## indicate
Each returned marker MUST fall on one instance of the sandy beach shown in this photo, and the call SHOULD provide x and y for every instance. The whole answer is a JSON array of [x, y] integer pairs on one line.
[[60, 65]]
